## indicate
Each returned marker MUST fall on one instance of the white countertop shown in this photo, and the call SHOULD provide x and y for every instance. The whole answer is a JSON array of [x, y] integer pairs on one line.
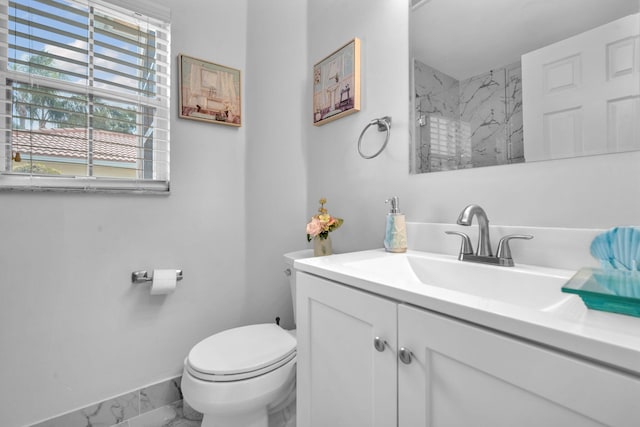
[[611, 339]]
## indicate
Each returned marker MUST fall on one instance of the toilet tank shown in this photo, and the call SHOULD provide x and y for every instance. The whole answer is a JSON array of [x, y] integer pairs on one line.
[[289, 258]]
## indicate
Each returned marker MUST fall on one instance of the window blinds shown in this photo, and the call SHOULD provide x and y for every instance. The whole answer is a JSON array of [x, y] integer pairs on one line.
[[86, 96]]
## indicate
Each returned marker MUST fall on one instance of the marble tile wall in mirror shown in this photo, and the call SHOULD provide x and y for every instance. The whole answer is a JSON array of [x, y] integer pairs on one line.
[[470, 123]]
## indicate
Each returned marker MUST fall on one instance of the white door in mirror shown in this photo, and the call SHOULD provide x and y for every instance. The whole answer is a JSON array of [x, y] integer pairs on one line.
[[581, 96]]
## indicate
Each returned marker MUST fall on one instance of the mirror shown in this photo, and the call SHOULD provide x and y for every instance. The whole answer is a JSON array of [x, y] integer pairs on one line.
[[507, 81]]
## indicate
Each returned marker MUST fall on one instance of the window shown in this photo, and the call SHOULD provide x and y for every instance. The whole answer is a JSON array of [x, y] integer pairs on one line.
[[449, 143], [86, 95]]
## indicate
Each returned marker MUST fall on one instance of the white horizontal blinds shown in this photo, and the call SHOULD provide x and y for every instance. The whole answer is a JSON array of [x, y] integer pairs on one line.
[[89, 91]]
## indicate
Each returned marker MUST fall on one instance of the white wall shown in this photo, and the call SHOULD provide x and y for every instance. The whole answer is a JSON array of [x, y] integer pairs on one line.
[[591, 192], [73, 329], [276, 168]]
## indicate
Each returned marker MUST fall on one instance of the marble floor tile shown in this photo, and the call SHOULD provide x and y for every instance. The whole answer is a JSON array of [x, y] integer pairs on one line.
[[284, 418], [159, 405], [173, 415], [159, 395]]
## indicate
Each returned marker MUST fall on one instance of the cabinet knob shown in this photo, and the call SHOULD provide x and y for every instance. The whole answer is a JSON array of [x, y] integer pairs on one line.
[[379, 343], [405, 355]]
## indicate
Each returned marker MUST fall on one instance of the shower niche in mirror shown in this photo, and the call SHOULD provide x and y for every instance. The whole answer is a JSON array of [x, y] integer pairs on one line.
[[508, 81]]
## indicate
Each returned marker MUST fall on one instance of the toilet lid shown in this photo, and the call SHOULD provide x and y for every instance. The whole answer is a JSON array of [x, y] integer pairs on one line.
[[242, 350]]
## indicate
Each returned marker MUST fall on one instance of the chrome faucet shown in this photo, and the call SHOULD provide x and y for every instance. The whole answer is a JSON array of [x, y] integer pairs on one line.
[[483, 251], [465, 218]]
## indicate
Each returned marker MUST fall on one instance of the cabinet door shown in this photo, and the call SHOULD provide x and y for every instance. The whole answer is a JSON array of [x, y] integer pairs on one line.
[[464, 375], [342, 379]]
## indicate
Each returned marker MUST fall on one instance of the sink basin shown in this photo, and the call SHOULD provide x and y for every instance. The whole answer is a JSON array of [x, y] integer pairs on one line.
[[537, 288], [533, 287]]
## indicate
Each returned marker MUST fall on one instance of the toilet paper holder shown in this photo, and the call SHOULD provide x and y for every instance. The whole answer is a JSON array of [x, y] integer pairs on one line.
[[143, 276]]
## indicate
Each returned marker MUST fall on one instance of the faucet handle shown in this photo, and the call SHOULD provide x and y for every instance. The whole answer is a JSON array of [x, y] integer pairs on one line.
[[504, 251], [466, 248]]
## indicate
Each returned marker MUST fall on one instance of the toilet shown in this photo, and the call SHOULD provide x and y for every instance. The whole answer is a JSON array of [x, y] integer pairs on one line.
[[235, 377]]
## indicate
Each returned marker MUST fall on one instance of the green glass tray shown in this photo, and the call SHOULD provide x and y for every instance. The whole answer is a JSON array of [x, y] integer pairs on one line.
[[616, 291]]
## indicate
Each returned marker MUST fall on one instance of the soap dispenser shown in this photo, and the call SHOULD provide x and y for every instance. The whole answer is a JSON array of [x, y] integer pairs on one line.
[[395, 237]]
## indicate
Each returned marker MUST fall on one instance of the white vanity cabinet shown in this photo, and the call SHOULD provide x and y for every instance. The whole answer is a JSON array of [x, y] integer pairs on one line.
[[465, 375], [460, 374], [343, 381]]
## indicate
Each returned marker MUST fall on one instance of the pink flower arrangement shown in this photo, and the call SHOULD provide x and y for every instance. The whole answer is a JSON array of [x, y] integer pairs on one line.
[[322, 223]]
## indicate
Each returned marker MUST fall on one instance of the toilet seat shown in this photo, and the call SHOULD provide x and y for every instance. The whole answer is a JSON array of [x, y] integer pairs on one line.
[[241, 353]]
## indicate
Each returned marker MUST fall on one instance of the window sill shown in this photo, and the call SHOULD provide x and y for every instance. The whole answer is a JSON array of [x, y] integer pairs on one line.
[[33, 183]]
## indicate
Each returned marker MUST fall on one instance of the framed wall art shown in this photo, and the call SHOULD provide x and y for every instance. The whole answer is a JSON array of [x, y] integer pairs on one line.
[[209, 92], [336, 84]]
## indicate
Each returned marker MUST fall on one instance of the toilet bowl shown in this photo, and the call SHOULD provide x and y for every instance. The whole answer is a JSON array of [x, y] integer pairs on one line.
[[235, 376]]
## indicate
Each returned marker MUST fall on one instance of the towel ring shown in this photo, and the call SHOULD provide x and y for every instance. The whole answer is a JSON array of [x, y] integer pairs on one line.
[[384, 124]]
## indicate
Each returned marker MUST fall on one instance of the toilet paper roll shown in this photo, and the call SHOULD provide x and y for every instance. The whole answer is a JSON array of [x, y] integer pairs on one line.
[[164, 282]]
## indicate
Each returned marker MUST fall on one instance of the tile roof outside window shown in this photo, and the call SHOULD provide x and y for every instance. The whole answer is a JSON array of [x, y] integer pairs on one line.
[[72, 143]]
